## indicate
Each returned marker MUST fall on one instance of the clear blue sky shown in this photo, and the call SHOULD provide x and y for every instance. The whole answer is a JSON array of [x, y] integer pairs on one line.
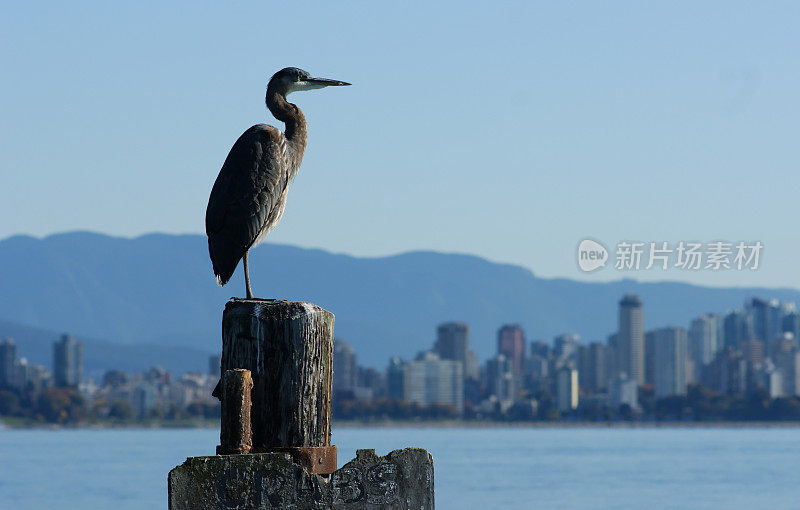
[[507, 130]]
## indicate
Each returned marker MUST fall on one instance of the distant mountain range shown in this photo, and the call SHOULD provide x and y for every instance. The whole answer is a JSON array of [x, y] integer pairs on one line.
[[157, 293]]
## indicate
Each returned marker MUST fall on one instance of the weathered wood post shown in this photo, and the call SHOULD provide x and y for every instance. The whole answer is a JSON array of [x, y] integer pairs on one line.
[[275, 387], [288, 348]]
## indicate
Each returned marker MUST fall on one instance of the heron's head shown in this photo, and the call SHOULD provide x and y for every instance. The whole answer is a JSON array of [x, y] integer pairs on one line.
[[292, 79]]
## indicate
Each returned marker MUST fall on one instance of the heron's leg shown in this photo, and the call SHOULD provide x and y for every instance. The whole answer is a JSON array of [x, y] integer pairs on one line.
[[247, 276]]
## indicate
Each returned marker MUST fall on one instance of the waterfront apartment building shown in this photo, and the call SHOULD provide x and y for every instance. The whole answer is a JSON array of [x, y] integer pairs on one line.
[[16, 372], [704, 339], [394, 378], [753, 351], [623, 391], [727, 373], [430, 380], [767, 326], [737, 328], [630, 338], [670, 354], [67, 362], [592, 367], [540, 348], [452, 342], [612, 357], [500, 379], [787, 360], [649, 358], [8, 362], [791, 323], [511, 343], [565, 348]]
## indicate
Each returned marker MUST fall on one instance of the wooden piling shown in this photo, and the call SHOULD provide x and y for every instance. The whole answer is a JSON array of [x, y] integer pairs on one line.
[[288, 348]]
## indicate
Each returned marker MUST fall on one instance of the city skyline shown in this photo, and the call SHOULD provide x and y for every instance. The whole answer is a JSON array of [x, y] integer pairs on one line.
[[521, 378], [763, 354], [706, 333]]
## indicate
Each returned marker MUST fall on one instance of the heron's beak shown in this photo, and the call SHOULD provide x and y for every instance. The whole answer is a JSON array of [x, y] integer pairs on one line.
[[313, 83], [325, 82]]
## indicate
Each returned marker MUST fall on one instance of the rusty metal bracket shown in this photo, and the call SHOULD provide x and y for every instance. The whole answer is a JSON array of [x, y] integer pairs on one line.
[[319, 460]]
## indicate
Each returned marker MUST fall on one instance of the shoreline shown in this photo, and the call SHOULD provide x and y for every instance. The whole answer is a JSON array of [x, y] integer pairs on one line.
[[356, 424], [206, 424], [565, 424]]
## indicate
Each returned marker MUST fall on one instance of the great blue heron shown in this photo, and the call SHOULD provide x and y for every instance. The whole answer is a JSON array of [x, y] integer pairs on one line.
[[249, 195]]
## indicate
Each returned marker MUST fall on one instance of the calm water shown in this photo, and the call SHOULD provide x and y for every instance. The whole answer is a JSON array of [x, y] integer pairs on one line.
[[538, 468]]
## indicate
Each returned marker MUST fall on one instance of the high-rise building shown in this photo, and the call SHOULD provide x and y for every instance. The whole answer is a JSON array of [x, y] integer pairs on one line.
[[592, 367], [34, 378], [703, 341], [8, 362], [767, 324], [582, 359], [775, 328], [791, 323], [787, 360], [144, 399], [432, 381], [753, 351], [727, 373], [500, 378], [670, 361], [394, 378], [649, 358], [511, 343], [773, 381], [472, 367], [67, 362], [370, 384], [538, 373], [623, 391], [611, 356], [345, 366], [630, 338], [452, 342], [540, 348], [759, 311], [738, 328], [565, 348], [567, 389]]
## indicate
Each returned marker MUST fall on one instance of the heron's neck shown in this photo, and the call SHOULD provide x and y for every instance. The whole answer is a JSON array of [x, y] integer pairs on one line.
[[294, 119]]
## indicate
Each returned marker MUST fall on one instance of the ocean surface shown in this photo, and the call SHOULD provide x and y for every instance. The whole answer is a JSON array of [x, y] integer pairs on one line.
[[539, 468]]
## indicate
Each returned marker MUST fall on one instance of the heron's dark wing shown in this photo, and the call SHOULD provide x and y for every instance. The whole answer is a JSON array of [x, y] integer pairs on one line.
[[246, 191]]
